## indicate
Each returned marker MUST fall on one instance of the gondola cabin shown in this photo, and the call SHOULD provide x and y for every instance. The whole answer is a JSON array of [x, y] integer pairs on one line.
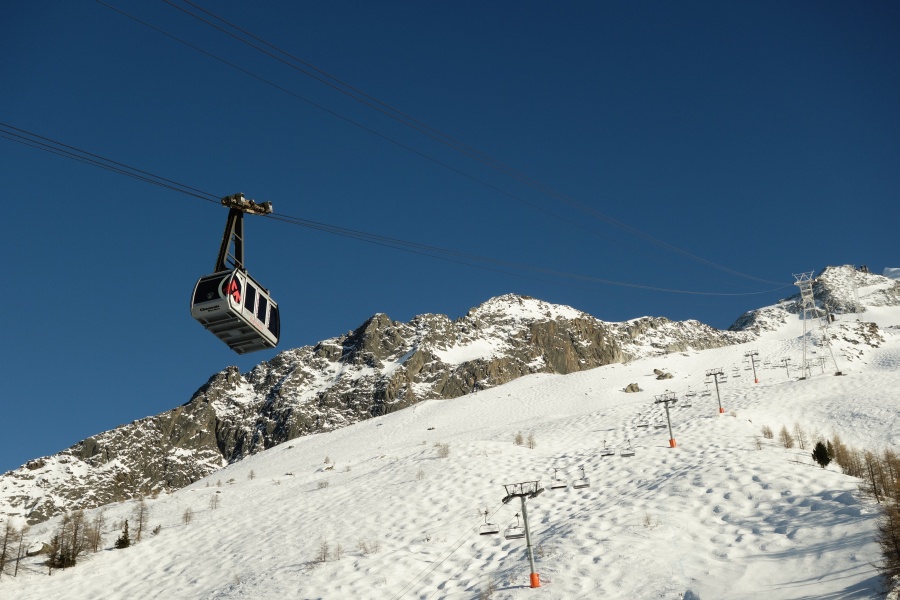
[[230, 303], [237, 310]]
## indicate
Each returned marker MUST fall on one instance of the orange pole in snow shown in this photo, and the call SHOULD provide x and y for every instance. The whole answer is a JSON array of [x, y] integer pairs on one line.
[[672, 443], [535, 580]]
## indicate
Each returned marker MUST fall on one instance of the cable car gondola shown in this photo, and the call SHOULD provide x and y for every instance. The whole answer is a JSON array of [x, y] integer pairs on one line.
[[229, 302]]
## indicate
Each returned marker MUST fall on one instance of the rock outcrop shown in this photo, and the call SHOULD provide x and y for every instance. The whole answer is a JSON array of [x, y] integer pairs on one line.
[[380, 367], [842, 290]]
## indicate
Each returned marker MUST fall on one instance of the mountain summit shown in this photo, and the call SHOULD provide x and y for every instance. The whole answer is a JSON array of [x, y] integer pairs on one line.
[[380, 367]]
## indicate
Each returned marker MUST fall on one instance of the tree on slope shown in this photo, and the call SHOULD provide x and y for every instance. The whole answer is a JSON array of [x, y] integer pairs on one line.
[[8, 535], [123, 541], [20, 552], [69, 542], [786, 438], [820, 454], [141, 514], [889, 539]]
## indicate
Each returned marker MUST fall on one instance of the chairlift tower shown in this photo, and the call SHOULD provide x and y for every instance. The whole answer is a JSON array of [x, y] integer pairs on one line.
[[808, 302], [665, 400], [715, 373], [527, 489], [752, 356]]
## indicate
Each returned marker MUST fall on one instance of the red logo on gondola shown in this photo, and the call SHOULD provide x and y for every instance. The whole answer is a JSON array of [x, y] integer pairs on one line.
[[234, 289]]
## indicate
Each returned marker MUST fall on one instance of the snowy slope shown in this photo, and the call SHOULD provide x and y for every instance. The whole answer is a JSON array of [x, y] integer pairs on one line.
[[713, 518], [382, 366]]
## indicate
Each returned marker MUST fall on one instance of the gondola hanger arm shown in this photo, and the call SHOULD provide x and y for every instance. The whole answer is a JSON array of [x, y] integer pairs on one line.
[[234, 229]]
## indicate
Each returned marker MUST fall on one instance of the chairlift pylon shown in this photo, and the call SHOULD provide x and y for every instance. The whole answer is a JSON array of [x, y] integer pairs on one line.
[[488, 528], [514, 532]]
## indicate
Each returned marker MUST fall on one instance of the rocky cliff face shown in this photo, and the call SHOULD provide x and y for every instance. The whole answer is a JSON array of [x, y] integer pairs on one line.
[[380, 367]]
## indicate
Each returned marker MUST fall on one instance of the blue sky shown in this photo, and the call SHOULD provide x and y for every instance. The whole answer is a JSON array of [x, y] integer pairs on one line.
[[763, 137]]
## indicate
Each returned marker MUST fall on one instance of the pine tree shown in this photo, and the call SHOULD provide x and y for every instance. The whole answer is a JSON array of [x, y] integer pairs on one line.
[[820, 454], [124, 541]]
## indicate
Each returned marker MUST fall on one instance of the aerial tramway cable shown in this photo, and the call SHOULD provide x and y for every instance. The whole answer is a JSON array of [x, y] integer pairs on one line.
[[46, 144], [398, 115]]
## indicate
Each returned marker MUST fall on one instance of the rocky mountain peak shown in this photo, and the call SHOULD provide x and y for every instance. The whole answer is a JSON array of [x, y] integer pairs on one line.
[[220, 385], [515, 307], [375, 340], [837, 289], [379, 367], [846, 289]]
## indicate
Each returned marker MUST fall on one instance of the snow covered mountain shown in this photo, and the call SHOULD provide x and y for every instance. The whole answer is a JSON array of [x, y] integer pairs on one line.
[[381, 367], [390, 507]]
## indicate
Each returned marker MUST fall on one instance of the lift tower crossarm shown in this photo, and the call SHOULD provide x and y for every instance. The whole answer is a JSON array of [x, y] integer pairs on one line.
[[234, 229]]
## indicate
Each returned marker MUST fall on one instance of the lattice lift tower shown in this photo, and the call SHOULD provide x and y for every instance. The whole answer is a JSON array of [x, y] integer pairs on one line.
[[808, 303]]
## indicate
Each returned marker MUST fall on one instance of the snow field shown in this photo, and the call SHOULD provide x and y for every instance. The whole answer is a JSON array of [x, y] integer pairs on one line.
[[713, 518]]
